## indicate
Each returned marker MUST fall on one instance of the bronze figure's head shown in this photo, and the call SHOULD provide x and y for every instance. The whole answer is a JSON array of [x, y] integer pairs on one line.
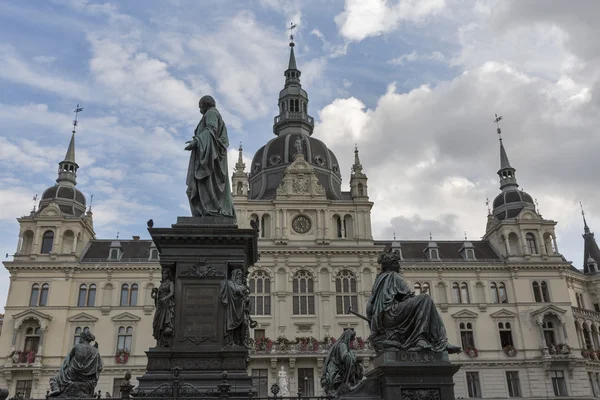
[[206, 102]]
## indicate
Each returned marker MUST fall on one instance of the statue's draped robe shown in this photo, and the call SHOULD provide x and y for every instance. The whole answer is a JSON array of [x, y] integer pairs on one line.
[[341, 365], [164, 314], [208, 190], [79, 371], [235, 302], [401, 320]]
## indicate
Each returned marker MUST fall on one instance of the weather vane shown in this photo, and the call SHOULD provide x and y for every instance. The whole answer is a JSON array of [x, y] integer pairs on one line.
[[35, 201], [497, 121], [394, 235], [291, 29], [118, 231], [430, 237], [77, 111], [465, 232]]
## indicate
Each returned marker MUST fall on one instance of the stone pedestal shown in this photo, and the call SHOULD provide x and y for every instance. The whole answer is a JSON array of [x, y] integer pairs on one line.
[[201, 253], [407, 376]]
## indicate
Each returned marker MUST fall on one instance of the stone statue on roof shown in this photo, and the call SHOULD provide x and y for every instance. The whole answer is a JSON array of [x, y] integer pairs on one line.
[[208, 188]]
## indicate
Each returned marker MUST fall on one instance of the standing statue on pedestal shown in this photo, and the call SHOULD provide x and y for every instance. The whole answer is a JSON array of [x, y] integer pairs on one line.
[[399, 319], [341, 366], [80, 370], [207, 180], [164, 314], [235, 298], [282, 382]]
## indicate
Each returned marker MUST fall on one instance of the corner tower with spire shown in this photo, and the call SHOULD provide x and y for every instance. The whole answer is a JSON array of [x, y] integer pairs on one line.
[[61, 226], [515, 228], [591, 252]]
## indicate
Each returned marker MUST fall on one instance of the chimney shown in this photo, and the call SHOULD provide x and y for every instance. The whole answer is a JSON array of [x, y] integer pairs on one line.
[[136, 238]]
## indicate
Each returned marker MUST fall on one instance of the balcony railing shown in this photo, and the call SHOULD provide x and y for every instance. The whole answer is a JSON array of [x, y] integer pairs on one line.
[[289, 115], [22, 357], [582, 312], [266, 346], [120, 260]]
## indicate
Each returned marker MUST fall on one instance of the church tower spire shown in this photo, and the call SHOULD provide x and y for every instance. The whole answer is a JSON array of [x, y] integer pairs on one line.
[[591, 252], [67, 168], [293, 101], [508, 180]]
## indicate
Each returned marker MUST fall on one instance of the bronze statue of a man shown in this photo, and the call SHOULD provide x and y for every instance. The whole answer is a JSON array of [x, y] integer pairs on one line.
[[207, 180]]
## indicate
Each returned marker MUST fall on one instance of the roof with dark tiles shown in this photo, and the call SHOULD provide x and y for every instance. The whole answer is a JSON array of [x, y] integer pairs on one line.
[[132, 249], [414, 250]]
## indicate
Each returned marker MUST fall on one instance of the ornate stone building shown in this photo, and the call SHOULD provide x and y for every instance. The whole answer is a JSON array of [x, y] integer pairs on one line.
[[528, 320]]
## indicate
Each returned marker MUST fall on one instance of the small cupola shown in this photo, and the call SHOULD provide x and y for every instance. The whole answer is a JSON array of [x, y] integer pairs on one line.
[[397, 247], [115, 250], [592, 265]]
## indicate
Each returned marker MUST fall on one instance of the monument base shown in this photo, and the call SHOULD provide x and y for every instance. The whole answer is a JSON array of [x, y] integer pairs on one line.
[[200, 253], [398, 375]]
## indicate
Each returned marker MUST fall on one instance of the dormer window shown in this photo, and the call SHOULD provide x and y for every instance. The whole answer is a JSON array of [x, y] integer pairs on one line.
[[153, 254], [432, 251], [114, 254], [115, 251], [467, 251]]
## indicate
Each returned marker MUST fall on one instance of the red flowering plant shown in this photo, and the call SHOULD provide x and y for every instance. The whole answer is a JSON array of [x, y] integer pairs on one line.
[[30, 357], [357, 343], [585, 353], [263, 344], [328, 341], [122, 356], [471, 351], [308, 343], [510, 350], [22, 357], [283, 343]]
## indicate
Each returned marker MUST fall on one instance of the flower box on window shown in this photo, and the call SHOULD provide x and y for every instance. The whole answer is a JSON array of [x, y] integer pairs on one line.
[[510, 350], [471, 351], [122, 357], [283, 343], [328, 341], [263, 344], [22, 357], [357, 343], [307, 343]]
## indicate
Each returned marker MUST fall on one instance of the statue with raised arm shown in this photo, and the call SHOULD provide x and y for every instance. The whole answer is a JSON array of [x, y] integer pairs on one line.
[[341, 366], [164, 313], [399, 319], [235, 298], [207, 180], [80, 370]]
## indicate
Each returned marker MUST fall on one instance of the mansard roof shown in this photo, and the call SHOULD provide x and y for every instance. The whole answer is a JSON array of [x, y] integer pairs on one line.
[[133, 250], [412, 250]]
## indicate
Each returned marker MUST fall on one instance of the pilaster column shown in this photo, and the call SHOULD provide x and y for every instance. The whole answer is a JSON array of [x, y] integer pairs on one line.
[[20, 244], [542, 338], [74, 249], [318, 223], [284, 232], [35, 248], [523, 243], [277, 225], [555, 245], [325, 225], [542, 244]]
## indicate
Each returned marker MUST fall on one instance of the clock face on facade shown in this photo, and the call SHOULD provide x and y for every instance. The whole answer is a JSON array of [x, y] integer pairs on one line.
[[301, 224]]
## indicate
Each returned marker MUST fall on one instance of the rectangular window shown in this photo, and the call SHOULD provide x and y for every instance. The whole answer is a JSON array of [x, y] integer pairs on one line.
[[596, 307], [514, 386], [24, 387], [344, 302], [306, 381], [558, 383], [506, 338], [473, 386], [260, 382], [259, 333]]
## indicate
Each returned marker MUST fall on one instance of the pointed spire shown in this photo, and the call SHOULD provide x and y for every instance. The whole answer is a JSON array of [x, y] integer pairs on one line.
[[508, 181], [586, 228], [240, 166], [357, 166], [70, 156], [292, 62]]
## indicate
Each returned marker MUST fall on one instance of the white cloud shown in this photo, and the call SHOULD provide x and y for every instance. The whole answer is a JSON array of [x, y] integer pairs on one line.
[[364, 18], [414, 56]]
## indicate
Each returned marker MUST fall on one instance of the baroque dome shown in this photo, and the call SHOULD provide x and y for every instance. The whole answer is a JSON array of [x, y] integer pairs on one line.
[[510, 203], [271, 160], [68, 198]]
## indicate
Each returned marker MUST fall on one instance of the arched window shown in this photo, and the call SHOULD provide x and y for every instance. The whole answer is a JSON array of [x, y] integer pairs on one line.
[[260, 293], [32, 339], [35, 295], [361, 190], [124, 338], [464, 293], [347, 296], [77, 334], [340, 227], [303, 300], [91, 299], [498, 291], [154, 254], [537, 292], [27, 243], [240, 188], [455, 293], [124, 294], [506, 338], [114, 254], [425, 289], [348, 227], [434, 254], [545, 293], [81, 299], [68, 241], [417, 288], [441, 293], [466, 335], [265, 226], [549, 334], [133, 295], [587, 338], [530, 239], [47, 242]]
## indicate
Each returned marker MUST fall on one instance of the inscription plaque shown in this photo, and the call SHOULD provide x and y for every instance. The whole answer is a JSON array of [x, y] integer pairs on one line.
[[200, 313]]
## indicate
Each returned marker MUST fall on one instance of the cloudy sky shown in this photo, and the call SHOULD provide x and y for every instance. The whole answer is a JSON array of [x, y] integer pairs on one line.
[[415, 83]]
